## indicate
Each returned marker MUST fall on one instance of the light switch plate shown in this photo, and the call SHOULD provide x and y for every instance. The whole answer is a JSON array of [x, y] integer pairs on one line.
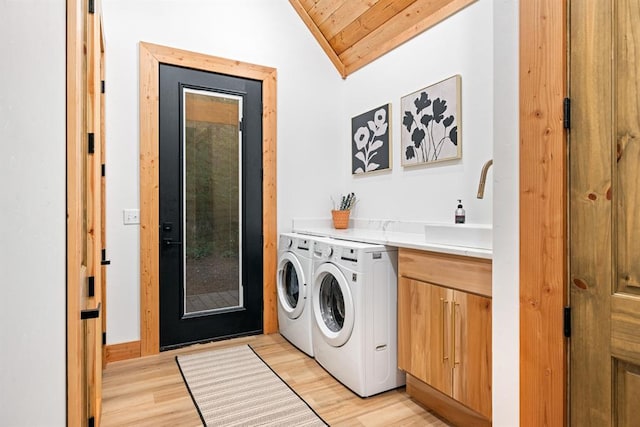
[[131, 216]]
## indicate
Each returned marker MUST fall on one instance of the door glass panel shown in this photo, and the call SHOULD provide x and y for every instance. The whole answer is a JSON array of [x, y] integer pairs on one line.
[[291, 285], [331, 303], [211, 204]]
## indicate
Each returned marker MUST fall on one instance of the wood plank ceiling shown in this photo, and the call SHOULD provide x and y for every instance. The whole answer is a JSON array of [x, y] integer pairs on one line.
[[353, 33]]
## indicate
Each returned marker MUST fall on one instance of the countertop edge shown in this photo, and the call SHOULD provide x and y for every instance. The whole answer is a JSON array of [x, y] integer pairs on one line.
[[401, 240]]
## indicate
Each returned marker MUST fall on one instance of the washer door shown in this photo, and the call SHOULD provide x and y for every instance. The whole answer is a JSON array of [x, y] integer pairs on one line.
[[292, 289], [332, 304]]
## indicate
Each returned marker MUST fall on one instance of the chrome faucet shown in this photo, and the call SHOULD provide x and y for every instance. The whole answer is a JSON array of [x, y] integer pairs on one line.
[[483, 178]]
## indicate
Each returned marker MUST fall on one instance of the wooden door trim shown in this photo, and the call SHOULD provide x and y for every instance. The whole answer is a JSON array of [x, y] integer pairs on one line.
[[543, 201], [151, 55], [75, 100]]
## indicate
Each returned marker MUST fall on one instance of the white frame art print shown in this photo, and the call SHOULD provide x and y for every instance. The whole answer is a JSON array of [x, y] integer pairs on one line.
[[370, 141], [430, 129]]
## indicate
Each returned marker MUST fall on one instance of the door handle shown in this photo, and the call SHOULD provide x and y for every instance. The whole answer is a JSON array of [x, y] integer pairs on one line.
[[453, 359], [170, 242], [443, 305]]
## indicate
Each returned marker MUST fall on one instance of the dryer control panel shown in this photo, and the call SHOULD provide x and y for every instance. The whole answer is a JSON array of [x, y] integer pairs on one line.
[[328, 252], [304, 244]]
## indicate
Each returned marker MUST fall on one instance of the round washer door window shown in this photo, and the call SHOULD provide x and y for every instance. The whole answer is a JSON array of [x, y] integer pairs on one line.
[[291, 285], [332, 304]]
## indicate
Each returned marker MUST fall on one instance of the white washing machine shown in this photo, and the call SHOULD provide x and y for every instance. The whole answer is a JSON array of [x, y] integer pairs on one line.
[[295, 272], [354, 300]]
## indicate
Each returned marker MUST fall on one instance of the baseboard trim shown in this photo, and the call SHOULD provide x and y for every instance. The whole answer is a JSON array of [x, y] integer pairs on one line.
[[123, 351], [443, 405]]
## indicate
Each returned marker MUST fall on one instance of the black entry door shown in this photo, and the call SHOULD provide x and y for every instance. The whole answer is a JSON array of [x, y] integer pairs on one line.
[[210, 206]]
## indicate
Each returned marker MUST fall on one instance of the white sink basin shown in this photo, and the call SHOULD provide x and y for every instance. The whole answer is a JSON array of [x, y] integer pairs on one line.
[[466, 235]]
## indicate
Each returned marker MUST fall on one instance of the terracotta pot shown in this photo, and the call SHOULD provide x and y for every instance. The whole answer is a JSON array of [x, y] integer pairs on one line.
[[340, 219]]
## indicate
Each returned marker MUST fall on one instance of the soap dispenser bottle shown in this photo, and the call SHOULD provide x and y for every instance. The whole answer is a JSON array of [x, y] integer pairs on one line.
[[460, 214]]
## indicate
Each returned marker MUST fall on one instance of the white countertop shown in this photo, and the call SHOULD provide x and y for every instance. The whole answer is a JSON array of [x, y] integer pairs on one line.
[[402, 234]]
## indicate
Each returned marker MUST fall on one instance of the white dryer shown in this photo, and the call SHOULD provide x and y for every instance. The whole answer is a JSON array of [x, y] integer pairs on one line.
[[354, 300], [295, 271]]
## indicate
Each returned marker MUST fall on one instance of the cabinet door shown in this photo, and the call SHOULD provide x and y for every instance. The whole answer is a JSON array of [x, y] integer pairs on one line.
[[471, 352], [424, 326]]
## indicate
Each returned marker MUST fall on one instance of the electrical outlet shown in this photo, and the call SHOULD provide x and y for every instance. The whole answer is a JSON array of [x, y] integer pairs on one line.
[[131, 216]]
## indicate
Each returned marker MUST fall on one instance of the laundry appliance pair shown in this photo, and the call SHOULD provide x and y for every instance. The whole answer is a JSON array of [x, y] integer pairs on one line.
[[337, 302]]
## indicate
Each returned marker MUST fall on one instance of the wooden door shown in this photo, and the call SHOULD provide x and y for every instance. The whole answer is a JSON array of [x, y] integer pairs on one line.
[[604, 212], [424, 346], [471, 353], [84, 214], [103, 202]]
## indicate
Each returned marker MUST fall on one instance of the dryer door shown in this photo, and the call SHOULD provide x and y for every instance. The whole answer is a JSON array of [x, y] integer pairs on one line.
[[332, 304], [292, 288]]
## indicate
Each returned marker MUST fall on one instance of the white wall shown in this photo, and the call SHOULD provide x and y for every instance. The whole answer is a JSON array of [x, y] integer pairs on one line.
[[506, 285], [313, 159], [32, 210], [462, 44], [481, 44], [314, 119], [265, 32]]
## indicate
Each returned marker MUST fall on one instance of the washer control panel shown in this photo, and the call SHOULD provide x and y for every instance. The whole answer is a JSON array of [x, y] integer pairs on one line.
[[329, 252]]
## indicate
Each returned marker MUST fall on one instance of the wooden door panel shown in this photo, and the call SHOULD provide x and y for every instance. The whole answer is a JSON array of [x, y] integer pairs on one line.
[[472, 355], [590, 213], [423, 328], [625, 328], [604, 201], [626, 104], [627, 410], [93, 327]]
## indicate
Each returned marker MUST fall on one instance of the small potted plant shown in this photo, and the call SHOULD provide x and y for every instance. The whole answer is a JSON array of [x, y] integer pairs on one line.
[[340, 213]]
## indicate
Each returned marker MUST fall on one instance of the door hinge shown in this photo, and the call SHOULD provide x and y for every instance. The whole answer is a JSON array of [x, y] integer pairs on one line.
[[102, 86], [104, 170], [90, 313], [91, 6], [91, 422], [104, 338], [566, 113], [105, 261], [241, 125], [91, 148], [91, 286], [567, 322]]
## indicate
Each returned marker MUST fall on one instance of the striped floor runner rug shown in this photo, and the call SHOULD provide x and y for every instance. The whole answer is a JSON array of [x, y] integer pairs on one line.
[[235, 387]]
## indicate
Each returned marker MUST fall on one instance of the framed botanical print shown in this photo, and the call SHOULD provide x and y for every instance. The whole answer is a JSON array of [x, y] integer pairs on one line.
[[431, 124], [370, 142]]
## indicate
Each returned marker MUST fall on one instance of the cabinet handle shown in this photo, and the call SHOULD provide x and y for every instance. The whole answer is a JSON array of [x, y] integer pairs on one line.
[[453, 314], [443, 303]]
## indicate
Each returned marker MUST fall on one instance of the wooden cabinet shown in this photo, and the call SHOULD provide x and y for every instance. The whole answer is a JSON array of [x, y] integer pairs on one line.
[[444, 333], [424, 333], [472, 351]]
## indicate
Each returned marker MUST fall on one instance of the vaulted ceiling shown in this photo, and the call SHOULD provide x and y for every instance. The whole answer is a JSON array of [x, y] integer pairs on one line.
[[353, 33]]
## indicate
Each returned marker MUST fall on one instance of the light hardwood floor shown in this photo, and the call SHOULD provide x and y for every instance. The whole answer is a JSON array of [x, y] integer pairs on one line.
[[149, 391]]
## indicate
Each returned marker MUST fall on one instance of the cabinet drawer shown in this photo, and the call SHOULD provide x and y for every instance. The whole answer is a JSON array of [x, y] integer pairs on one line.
[[467, 274]]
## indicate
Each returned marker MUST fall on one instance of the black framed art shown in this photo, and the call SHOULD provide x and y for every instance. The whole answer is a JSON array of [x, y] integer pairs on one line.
[[370, 142]]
